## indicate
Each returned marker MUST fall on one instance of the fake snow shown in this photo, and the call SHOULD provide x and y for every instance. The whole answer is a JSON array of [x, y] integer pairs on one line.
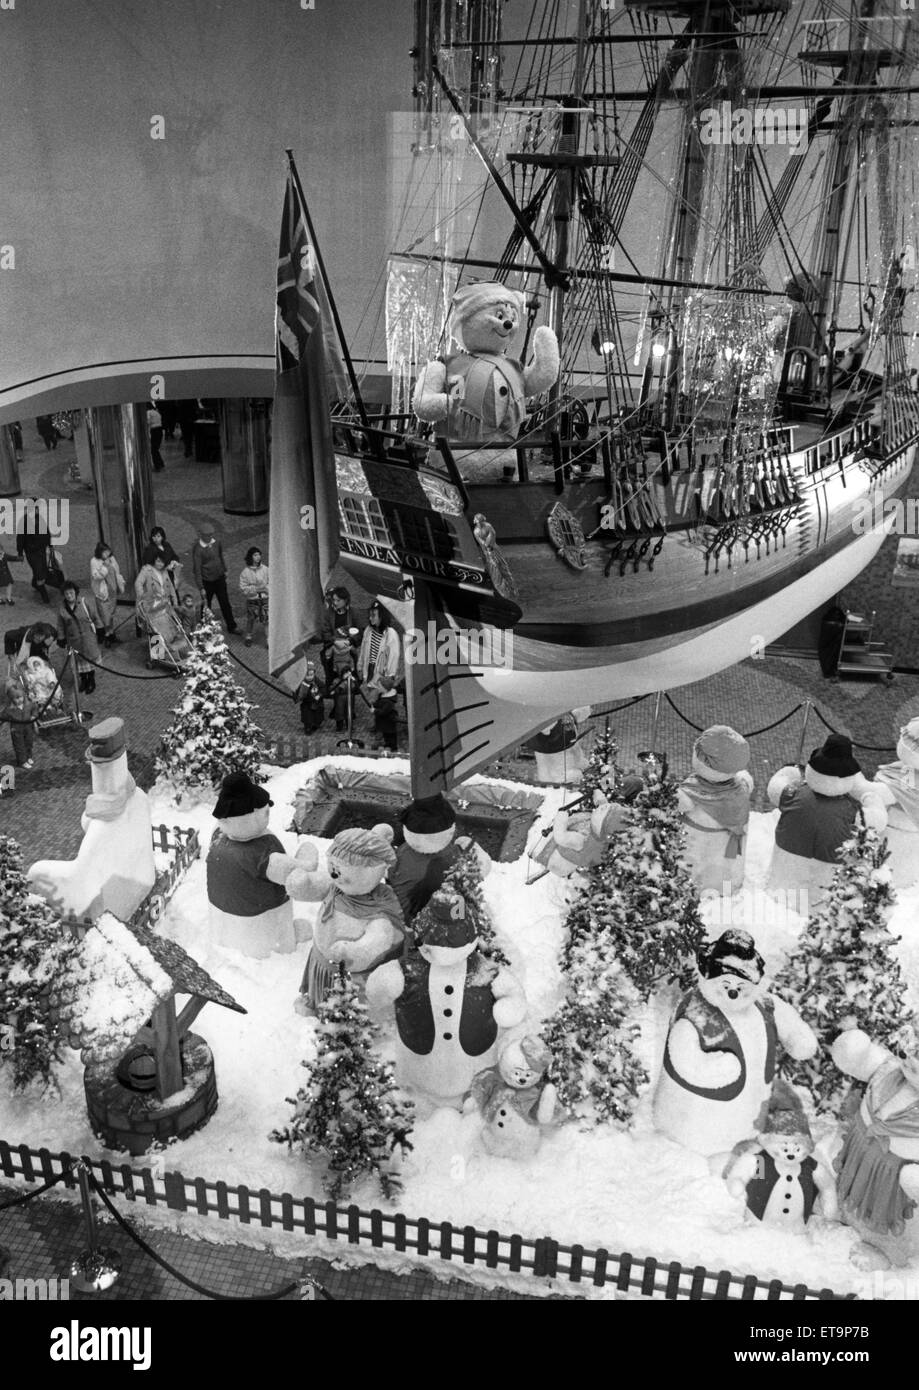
[[631, 1190]]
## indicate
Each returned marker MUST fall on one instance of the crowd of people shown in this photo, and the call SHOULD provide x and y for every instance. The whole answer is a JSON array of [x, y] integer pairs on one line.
[[49, 666]]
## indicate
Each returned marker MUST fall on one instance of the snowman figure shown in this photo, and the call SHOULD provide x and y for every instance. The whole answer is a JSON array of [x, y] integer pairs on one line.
[[515, 1102], [250, 876], [114, 869], [715, 804], [451, 1004], [778, 1175], [897, 785], [428, 850], [818, 815], [720, 1054]]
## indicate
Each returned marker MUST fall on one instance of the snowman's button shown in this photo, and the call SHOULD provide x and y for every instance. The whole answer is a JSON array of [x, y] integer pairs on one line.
[[448, 1013], [502, 391], [448, 1037], [448, 989], [502, 1113]]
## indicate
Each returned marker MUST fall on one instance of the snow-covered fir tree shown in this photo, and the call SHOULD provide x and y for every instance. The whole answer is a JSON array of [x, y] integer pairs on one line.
[[349, 1111], [212, 733], [465, 878], [592, 1036], [642, 897], [34, 949], [844, 971], [602, 770]]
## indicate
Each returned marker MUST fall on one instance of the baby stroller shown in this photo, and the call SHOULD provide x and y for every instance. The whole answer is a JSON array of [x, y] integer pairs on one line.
[[167, 640]]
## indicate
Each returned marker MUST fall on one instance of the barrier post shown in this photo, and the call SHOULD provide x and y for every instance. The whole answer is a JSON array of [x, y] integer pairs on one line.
[[96, 1268], [800, 758]]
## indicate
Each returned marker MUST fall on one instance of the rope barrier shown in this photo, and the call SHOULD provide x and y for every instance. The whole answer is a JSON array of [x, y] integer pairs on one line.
[[27, 1196], [754, 734], [278, 689], [868, 747], [171, 1269]]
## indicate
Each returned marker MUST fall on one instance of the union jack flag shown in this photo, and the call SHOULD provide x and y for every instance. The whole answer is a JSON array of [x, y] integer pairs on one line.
[[298, 311]]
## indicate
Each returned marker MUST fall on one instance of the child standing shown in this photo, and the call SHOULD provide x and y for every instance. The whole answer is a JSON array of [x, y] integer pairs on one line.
[[6, 578], [309, 694], [107, 583], [254, 583], [19, 710], [341, 688], [384, 713]]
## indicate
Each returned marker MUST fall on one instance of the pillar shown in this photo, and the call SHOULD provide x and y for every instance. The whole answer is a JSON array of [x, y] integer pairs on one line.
[[115, 442], [245, 434], [9, 468]]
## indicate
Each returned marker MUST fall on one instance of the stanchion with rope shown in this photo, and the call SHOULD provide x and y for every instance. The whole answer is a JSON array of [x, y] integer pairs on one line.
[[97, 1267], [282, 1292]]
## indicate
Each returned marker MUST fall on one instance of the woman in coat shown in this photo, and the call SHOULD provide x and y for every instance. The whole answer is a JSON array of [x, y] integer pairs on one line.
[[77, 621], [158, 545], [106, 583], [381, 652]]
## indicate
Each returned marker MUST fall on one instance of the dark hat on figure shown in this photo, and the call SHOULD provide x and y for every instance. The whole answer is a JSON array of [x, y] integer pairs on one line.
[[835, 758], [787, 1121], [106, 741], [444, 922], [240, 796], [429, 815], [734, 953]]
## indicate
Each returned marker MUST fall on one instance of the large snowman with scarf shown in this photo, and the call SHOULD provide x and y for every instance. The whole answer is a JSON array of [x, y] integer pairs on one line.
[[452, 1005], [721, 1051]]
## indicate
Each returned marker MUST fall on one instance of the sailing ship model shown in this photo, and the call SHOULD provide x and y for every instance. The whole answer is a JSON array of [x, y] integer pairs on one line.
[[725, 251]]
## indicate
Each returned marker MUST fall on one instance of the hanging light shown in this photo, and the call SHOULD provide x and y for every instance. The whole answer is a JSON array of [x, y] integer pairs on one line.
[[604, 346], [658, 350]]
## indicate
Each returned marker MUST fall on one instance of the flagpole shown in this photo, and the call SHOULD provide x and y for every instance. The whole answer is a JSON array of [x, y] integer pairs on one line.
[[359, 400]]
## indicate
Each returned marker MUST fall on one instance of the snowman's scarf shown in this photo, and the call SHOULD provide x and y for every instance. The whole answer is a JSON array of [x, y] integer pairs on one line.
[[379, 902], [109, 805]]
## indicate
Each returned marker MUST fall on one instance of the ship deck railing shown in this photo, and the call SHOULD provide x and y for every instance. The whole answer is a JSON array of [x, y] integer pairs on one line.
[[609, 454]]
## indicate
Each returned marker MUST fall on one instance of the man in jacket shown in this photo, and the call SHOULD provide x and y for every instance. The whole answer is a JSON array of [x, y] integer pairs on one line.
[[210, 571]]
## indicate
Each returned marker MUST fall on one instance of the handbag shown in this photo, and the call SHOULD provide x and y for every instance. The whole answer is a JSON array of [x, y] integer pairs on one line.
[[55, 570]]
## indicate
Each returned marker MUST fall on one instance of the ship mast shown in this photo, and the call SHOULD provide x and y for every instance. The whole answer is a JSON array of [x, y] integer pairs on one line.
[[564, 198], [859, 68]]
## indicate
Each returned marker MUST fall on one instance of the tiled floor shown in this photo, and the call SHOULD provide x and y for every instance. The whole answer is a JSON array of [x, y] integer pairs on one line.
[[43, 1237], [44, 816]]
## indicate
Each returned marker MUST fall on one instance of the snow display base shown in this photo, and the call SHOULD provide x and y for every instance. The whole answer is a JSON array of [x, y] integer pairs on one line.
[[127, 1119], [497, 818]]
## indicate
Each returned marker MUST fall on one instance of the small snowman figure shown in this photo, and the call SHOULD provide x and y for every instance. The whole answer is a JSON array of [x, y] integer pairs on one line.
[[515, 1101], [778, 1175]]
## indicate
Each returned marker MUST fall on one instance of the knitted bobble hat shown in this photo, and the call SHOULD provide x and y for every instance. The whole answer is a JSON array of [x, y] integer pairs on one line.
[[720, 753]]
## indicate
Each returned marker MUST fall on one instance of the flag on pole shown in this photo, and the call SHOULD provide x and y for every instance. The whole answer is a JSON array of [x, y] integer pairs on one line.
[[309, 375]]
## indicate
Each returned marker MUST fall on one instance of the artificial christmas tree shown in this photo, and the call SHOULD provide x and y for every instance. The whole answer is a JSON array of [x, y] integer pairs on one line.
[[212, 734], [349, 1111], [34, 950], [465, 878], [642, 897], [592, 1036], [602, 770], [844, 973]]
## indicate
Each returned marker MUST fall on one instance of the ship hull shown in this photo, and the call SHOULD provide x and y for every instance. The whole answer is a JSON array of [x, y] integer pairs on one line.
[[716, 591]]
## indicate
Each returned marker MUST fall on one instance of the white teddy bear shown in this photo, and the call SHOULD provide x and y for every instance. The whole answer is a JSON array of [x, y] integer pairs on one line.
[[480, 391]]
